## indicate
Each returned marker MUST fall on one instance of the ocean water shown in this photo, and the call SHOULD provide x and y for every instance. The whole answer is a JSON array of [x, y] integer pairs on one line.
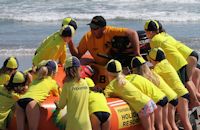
[[25, 23]]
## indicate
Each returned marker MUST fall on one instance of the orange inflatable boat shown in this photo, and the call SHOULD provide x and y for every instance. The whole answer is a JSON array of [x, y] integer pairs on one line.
[[123, 118]]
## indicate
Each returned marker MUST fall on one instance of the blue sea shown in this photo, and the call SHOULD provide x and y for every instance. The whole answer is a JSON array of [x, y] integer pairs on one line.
[[25, 23]]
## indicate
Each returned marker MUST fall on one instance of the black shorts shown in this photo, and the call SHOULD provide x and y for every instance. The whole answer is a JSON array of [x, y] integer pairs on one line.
[[195, 54], [174, 102], [162, 102], [23, 102], [102, 116], [182, 73], [186, 96]]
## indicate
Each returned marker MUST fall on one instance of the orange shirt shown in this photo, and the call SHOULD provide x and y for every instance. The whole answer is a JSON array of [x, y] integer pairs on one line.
[[101, 45]]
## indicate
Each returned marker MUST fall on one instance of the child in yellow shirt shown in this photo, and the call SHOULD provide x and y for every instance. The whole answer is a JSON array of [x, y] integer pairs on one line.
[[169, 74], [120, 87], [75, 95]]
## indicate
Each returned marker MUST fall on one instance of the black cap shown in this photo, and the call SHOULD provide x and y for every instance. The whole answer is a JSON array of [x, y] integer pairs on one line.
[[97, 22]]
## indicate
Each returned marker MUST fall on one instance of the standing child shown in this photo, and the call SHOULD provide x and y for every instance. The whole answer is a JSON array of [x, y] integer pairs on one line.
[[168, 73], [75, 95], [28, 106], [9, 67], [123, 89], [99, 111]]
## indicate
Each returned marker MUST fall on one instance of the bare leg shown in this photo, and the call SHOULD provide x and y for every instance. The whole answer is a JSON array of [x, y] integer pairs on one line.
[[192, 62], [96, 124], [182, 109], [152, 121], [146, 122], [166, 124], [196, 81], [193, 96], [106, 125], [20, 117], [33, 115], [171, 117], [158, 118]]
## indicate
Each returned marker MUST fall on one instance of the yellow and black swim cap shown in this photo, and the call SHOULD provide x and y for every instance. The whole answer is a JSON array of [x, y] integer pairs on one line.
[[17, 80], [17, 77], [69, 21], [11, 63], [151, 25], [137, 61], [67, 31], [156, 54], [114, 66]]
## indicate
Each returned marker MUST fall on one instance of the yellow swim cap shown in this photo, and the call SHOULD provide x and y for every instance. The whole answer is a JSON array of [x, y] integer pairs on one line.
[[67, 31], [69, 21], [137, 61], [156, 54], [151, 25], [17, 78], [11, 63], [114, 66]]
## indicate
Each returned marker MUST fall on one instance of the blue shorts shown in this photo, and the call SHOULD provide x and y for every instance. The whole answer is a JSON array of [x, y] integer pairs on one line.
[[186, 96], [162, 102], [102, 116], [174, 102], [182, 73]]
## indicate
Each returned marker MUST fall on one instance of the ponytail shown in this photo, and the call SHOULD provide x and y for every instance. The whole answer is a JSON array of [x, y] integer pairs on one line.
[[42, 72]]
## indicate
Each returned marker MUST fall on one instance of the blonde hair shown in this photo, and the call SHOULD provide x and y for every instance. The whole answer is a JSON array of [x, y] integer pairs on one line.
[[120, 78], [72, 73], [42, 72], [145, 71]]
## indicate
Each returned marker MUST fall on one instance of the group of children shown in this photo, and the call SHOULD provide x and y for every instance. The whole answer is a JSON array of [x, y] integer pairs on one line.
[[23, 92], [155, 93]]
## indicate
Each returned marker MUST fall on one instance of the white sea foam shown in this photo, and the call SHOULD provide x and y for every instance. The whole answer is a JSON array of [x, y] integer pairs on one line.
[[17, 52], [51, 10]]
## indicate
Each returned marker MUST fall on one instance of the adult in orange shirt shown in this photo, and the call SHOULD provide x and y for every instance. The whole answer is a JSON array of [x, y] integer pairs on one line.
[[98, 39]]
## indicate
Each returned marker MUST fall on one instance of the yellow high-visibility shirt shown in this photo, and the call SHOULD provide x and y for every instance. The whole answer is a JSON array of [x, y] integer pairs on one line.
[[146, 87], [175, 58], [129, 93], [39, 90], [53, 48], [169, 74], [75, 96]]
